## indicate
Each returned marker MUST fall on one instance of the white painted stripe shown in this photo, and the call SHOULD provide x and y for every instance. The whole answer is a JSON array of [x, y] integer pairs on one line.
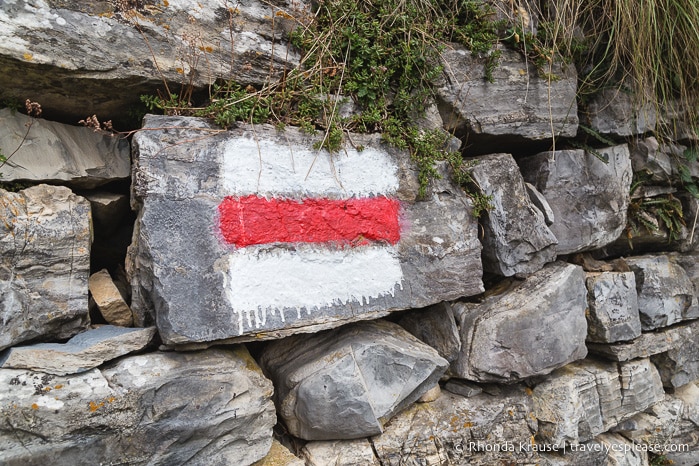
[[270, 169], [262, 280]]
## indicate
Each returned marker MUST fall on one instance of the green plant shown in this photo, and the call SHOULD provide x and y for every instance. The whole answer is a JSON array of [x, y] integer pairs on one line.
[[656, 214]]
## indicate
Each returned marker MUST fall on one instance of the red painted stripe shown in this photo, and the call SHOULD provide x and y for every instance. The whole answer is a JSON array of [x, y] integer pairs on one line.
[[252, 220]]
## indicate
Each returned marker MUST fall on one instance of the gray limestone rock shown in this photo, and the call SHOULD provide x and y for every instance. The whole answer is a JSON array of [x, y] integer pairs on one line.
[[669, 427], [54, 152], [516, 239], [340, 453], [649, 343], [535, 327], [689, 261], [614, 112], [679, 365], [648, 156], [435, 326], [103, 55], [518, 103], [612, 307], [665, 293], [656, 425], [211, 275], [347, 383], [482, 430], [202, 408], [589, 197], [81, 353], [579, 401], [44, 264]]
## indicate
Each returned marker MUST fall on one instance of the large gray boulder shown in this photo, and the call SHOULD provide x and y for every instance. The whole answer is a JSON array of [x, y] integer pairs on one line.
[[47, 151], [666, 295], [587, 398], [357, 244], [103, 55], [482, 430], [531, 329], [81, 353], [347, 383], [612, 307], [44, 264], [203, 408], [519, 103], [516, 239], [589, 197]]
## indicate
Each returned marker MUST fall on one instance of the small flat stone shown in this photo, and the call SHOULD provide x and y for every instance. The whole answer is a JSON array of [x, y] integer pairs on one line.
[[81, 353], [462, 387]]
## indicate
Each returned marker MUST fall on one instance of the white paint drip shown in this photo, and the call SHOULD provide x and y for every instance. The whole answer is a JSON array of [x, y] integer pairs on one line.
[[271, 169], [260, 280]]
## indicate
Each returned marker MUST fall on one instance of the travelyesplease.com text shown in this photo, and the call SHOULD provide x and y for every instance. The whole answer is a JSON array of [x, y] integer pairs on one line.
[[528, 447]]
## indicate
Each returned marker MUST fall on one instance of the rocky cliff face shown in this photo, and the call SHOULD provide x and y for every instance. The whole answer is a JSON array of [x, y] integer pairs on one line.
[[267, 302]]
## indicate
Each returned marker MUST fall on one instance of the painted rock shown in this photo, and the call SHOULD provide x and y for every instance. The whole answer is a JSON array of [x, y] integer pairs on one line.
[[252, 234]]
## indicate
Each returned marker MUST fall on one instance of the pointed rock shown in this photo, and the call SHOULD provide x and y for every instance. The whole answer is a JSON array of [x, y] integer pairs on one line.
[[535, 327], [347, 383], [516, 239]]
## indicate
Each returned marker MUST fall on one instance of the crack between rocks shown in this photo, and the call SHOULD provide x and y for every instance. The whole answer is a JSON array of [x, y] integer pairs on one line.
[[376, 453]]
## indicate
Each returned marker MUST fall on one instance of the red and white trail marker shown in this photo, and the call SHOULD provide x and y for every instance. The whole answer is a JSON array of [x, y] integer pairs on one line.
[[308, 231]]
